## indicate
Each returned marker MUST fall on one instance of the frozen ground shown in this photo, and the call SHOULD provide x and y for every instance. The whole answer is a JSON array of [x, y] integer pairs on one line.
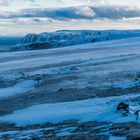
[[71, 92]]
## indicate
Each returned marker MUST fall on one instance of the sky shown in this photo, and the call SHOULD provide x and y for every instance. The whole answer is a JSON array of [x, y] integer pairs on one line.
[[19, 17]]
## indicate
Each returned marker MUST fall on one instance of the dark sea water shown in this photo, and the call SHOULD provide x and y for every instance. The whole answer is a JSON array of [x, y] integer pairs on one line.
[[7, 43], [6, 48]]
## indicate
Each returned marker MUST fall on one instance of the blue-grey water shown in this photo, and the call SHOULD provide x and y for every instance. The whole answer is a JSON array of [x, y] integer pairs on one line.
[[7, 43]]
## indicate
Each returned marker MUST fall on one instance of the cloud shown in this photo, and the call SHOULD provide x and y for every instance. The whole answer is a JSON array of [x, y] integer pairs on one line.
[[4, 3], [69, 13], [116, 12]]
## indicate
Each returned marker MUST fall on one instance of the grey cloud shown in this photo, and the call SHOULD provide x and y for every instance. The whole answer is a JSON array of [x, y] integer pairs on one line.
[[4, 3], [85, 12], [116, 12]]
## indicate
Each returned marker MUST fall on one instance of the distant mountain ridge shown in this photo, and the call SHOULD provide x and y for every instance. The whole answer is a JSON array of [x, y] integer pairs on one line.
[[63, 38]]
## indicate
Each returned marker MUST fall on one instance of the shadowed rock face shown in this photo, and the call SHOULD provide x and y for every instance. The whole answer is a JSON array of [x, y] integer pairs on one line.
[[39, 46]]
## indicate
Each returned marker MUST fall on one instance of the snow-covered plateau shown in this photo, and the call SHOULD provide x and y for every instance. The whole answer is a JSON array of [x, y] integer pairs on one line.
[[71, 92]]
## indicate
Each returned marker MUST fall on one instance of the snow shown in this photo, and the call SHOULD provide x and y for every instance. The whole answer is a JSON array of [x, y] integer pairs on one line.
[[128, 84], [103, 51], [98, 109], [21, 87], [120, 54], [66, 131], [117, 138], [68, 38]]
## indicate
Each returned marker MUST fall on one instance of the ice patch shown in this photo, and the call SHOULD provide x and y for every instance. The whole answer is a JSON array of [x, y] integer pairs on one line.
[[117, 138], [21, 87], [98, 109], [65, 132]]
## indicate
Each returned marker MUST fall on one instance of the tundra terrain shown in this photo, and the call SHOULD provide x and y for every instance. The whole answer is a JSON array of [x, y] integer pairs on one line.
[[71, 92]]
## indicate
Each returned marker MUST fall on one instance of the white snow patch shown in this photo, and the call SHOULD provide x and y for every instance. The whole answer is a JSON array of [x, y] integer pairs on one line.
[[66, 131], [117, 138], [98, 109], [21, 87]]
